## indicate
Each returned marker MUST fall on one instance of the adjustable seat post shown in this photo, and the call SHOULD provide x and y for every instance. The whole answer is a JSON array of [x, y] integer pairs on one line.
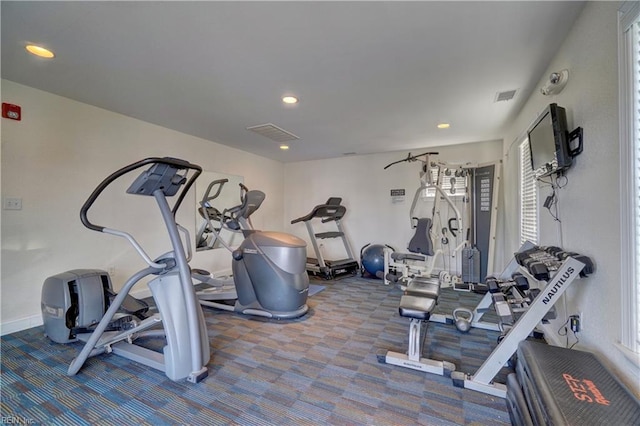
[[418, 306], [417, 336]]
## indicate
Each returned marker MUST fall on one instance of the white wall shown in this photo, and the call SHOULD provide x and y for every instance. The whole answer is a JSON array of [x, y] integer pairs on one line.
[[590, 202], [365, 187], [56, 156]]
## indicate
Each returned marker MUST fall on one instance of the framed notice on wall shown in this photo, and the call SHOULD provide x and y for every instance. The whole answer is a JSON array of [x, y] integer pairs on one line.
[[397, 196]]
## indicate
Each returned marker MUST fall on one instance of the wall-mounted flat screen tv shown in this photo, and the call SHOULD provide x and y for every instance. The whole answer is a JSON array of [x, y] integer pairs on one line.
[[549, 142]]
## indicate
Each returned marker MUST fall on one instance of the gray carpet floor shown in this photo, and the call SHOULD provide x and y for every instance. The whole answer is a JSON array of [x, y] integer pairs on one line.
[[316, 370]]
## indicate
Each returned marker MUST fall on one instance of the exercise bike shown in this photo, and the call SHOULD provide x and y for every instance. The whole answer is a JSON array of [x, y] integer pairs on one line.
[[79, 305], [269, 276]]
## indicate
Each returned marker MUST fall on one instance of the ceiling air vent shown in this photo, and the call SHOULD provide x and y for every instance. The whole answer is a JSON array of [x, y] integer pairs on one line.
[[507, 95], [273, 132]]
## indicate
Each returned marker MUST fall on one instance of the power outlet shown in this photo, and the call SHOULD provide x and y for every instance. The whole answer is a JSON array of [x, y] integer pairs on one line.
[[12, 203], [575, 322], [581, 316]]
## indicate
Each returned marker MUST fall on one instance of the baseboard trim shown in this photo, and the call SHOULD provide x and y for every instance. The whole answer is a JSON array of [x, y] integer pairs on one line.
[[26, 323], [20, 324], [551, 336], [13, 326]]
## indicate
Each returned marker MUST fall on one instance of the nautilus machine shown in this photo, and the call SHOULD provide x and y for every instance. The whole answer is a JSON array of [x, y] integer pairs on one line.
[[455, 242]]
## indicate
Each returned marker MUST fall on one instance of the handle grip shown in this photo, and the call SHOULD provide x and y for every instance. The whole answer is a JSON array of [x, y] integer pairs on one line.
[[175, 162]]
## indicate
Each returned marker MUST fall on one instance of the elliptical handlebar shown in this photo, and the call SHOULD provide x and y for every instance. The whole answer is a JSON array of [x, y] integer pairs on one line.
[[235, 219], [250, 201], [143, 189], [206, 198]]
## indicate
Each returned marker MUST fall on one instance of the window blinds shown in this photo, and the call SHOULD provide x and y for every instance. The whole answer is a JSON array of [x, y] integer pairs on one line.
[[629, 74], [528, 197], [635, 63], [459, 183]]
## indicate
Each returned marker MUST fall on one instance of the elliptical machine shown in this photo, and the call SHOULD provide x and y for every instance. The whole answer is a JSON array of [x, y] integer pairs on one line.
[[269, 276], [77, 306]]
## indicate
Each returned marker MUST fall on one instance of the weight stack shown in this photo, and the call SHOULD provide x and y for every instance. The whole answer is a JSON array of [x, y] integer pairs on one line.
[[471, 265]]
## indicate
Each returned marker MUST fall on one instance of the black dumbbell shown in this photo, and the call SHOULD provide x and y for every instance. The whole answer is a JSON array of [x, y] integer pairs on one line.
[[521, 281], [493, 284], [589, 267], [539, 271], [553, 250]]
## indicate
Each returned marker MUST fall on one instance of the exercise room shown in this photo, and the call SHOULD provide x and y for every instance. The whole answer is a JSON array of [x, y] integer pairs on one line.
[[320, 213]]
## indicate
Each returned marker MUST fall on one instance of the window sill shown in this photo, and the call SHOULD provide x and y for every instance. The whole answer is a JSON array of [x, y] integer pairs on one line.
[[631, 356]]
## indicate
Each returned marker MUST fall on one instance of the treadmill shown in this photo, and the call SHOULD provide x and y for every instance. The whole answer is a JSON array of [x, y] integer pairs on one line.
[[331, 211]]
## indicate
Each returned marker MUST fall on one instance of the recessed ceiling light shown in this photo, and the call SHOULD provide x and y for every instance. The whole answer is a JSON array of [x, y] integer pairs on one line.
[[290, 100], [39, 51], [284, 147], [443, 125]]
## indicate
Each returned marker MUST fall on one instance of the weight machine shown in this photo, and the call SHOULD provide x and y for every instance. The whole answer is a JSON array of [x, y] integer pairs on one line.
[[464, 239]]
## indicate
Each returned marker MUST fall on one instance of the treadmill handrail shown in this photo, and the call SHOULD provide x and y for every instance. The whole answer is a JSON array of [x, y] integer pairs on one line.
[[328, 213]]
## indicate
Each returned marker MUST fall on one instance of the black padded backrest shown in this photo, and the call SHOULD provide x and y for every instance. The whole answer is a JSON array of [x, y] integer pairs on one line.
[[421, 241]]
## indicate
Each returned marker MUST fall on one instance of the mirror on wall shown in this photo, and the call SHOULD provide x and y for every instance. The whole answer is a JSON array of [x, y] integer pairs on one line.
[[221, 195]]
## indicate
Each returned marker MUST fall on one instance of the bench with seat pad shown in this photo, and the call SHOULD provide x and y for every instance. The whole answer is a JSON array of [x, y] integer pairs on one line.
[[418, 301]]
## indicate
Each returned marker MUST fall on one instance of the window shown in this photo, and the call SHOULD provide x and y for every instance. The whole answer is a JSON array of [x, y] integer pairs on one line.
[[629, 57], [528, 197], [452, 181]]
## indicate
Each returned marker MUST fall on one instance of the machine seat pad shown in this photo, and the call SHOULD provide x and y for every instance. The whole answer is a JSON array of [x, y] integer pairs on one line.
[[417, 307], [334, 234], [423, 289], [408, 256]]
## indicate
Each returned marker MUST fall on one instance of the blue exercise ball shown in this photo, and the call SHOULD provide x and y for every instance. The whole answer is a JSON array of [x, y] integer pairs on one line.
[[372, 258]]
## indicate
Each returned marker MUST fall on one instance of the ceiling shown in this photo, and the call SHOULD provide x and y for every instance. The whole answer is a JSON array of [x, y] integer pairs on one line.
[[371, 76]]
